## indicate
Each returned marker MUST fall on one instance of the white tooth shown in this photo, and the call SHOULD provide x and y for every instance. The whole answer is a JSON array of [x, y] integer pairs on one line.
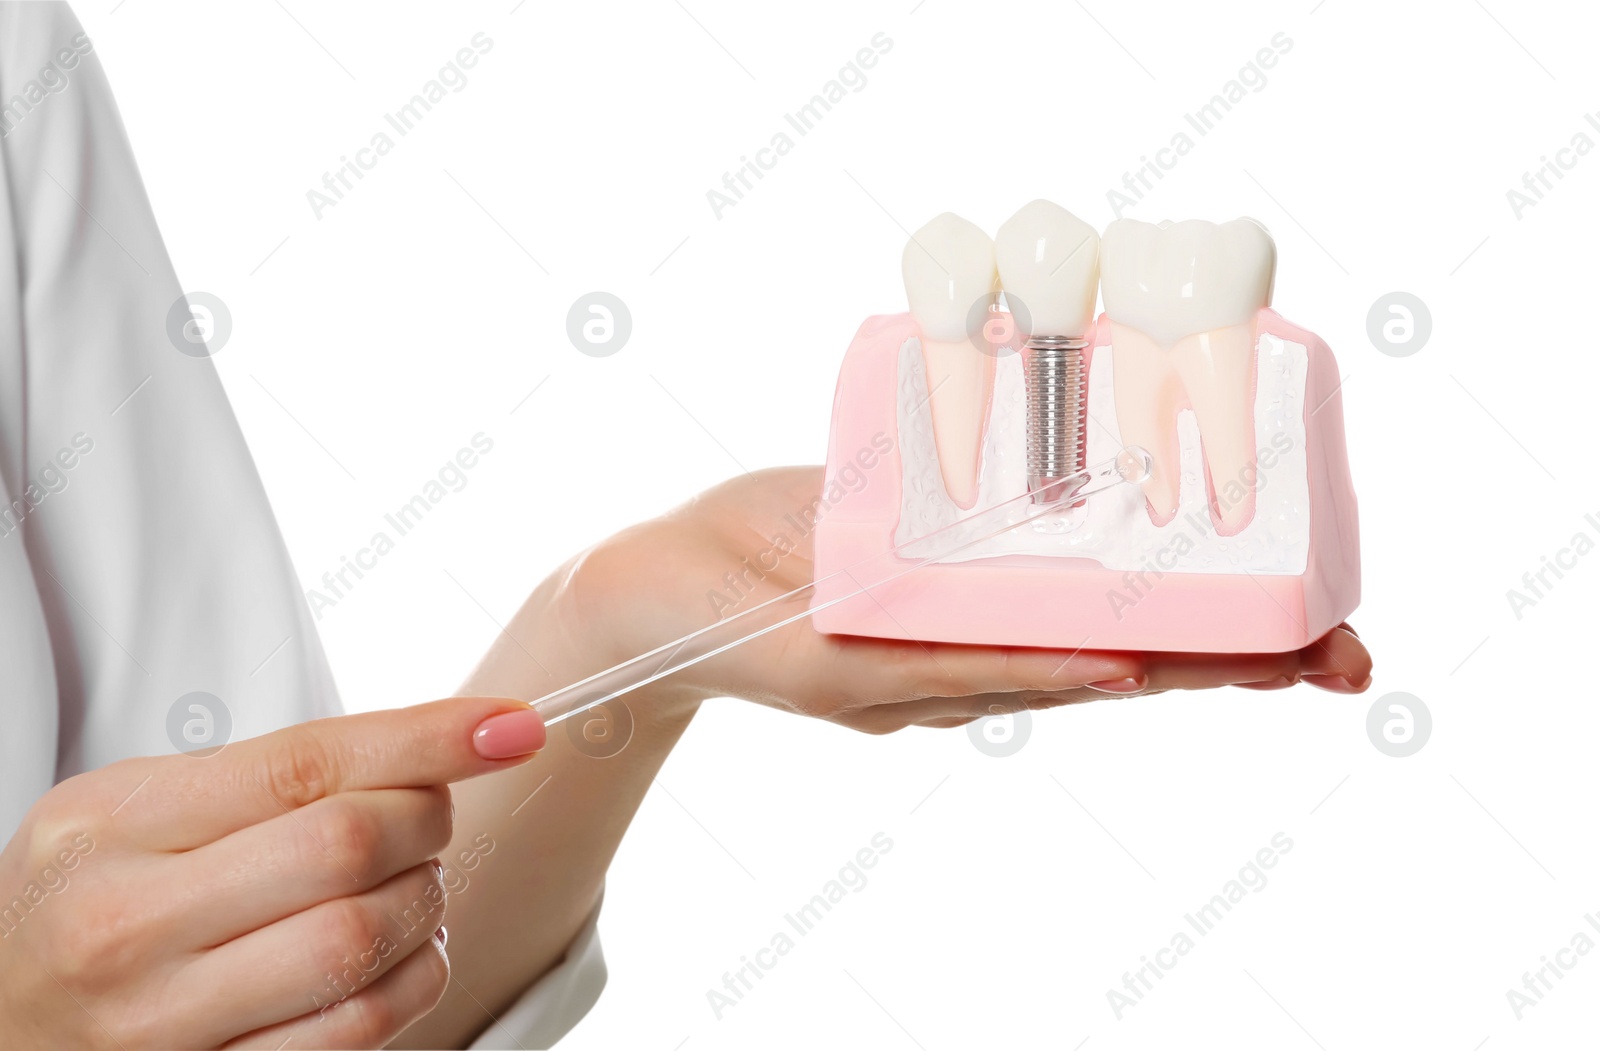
[[1049, 262], [948, 267], [1182, 299], [1171, 280]]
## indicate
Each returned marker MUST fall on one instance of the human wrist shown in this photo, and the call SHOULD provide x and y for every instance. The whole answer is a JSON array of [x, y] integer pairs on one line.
[[606, 618], [576, 623]]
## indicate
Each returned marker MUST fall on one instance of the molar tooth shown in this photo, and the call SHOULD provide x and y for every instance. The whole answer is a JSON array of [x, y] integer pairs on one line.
[[948, 267], [1183, 299]]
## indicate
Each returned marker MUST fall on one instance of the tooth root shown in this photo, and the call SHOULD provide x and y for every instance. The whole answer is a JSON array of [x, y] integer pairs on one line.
[[949, 271], [960, 385], [1217, 370], [1147, 392]]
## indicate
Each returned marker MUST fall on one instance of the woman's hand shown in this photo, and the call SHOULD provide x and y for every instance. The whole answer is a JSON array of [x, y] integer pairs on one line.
[[280, 890], [653, 584], [658, 581]]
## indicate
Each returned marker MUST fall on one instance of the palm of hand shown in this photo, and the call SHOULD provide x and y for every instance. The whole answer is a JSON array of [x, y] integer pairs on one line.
[[746, 541]]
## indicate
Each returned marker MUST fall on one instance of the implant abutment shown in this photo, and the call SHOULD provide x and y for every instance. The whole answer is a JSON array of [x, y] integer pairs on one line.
[[1057, 389]]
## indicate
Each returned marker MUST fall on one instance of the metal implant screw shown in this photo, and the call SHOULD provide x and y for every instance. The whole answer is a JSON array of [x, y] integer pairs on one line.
[[1057, 410]]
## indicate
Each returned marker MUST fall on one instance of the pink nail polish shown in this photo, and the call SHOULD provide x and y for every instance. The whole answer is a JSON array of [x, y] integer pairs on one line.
[[441, 936], [1131, 684], [508, 735]]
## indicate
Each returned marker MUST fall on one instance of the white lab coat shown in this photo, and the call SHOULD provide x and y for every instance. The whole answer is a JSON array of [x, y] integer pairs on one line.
[[139, 558]]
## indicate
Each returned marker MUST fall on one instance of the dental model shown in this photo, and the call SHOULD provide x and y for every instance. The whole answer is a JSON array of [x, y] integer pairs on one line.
[[1242, 538], [1049, 262], [949, 272]]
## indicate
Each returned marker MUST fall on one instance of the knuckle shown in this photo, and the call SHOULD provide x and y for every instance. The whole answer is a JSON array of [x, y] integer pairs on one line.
[[73, 815], [75, 955], [101, 943], [58, 833], [346, 930], [348, 834], [298, 771], [607, 573]]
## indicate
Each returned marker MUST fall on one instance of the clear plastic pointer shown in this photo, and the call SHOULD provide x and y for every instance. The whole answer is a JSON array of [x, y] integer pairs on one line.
[[1132, 465]]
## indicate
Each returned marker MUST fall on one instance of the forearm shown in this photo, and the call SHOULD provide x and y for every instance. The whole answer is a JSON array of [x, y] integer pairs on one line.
[[539, 839]]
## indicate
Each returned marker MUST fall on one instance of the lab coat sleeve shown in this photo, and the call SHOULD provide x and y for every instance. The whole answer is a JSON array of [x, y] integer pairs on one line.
[[160, 569]]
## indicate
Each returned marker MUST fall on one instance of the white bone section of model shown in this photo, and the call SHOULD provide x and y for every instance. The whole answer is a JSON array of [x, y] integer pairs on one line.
[[949, 271], [1182, 299]]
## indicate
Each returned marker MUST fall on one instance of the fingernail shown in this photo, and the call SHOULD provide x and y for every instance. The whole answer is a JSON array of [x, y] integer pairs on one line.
[[1131, 684], [441, 936], [1336, 683], [508, 735], [438, 866], [1282, 682]]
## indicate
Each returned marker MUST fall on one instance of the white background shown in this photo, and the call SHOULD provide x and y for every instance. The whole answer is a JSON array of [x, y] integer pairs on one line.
[[425, 306]]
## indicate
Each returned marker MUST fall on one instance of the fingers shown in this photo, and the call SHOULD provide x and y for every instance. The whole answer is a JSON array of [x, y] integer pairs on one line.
[[370, 1018], [1338, 661], [949, 712], [333, 848], [190, 802], [1204, 671], [879, 685], [324, 959], [874, 671]]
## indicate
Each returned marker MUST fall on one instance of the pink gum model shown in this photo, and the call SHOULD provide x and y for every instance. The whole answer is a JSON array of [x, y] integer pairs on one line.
[[1061, 602]]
